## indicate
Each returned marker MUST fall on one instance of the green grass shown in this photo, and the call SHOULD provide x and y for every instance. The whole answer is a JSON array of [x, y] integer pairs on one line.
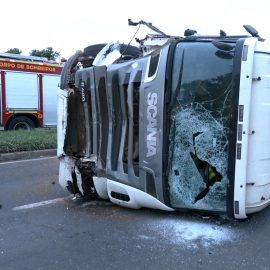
[[23, 140]]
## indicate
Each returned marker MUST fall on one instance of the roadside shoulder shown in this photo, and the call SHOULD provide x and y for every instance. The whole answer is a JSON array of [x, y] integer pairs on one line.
[[27, 155]]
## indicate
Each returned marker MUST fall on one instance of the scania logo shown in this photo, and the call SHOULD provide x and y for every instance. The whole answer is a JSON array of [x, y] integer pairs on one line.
[[151, 140]]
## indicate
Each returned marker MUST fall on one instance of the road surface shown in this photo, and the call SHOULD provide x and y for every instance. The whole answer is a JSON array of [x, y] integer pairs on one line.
[[42, 228]]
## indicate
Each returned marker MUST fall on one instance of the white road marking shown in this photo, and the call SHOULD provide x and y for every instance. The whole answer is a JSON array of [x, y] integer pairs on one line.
[[38, 204], [26, 160]]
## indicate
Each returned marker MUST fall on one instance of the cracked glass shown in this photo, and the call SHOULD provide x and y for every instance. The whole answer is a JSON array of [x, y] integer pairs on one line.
[[200, 113]]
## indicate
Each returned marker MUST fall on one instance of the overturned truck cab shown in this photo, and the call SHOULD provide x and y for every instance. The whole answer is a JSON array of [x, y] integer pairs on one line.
[[185, 127]]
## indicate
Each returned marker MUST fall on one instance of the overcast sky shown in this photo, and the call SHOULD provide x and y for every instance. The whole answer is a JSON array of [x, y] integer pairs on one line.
[[71, 25]]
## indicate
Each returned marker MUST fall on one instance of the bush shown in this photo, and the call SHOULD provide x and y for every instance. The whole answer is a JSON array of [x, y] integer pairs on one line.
[[23, 140]]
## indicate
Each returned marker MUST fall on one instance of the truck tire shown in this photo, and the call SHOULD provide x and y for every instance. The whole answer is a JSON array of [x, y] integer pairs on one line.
[[90, 53], [69, 69], [128, 51], [93, 50], [21, 122]]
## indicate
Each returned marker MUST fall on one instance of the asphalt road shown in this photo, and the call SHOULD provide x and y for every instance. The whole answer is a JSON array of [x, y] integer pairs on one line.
[[41, 230]]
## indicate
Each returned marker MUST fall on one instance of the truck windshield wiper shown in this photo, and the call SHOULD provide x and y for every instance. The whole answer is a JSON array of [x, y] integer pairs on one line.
[[223, 46]]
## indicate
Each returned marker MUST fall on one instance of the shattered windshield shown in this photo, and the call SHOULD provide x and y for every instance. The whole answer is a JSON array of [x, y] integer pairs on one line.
[[199, 127]]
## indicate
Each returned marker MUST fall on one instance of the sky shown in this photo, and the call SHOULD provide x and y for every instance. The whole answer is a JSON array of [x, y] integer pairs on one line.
[[68, 26]]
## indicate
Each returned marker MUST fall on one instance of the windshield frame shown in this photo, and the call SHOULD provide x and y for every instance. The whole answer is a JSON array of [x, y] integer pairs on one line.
[[233, 122]]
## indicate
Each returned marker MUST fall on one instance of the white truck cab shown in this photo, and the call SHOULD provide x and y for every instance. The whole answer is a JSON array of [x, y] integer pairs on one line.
[[179, 124]]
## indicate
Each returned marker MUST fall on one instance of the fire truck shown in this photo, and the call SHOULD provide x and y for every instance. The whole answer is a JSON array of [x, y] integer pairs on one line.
[[28, 91]]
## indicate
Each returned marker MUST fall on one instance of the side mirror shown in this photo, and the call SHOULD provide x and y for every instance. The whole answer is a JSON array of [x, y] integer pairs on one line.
[[189, 32], [251, 30]]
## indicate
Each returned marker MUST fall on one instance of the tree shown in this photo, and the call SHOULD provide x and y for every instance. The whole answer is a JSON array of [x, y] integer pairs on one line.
[[47, 52], [14, 50]]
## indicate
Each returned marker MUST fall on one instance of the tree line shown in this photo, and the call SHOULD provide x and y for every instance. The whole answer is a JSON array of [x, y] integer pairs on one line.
[[47, 52]]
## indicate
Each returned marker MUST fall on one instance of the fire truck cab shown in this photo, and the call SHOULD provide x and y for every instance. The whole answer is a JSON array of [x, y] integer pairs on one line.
[[28, 91]]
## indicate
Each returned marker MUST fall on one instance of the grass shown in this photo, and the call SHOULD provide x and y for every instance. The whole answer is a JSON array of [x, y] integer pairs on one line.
[[23, 140]]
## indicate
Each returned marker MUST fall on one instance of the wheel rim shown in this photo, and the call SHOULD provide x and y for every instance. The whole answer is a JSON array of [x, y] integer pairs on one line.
[[22, 125]]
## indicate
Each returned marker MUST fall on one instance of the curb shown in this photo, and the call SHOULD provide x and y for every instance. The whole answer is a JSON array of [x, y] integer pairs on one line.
[[27, 155]]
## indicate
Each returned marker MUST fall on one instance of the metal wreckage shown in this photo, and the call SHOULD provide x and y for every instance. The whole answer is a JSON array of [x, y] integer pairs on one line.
[[180, 123]]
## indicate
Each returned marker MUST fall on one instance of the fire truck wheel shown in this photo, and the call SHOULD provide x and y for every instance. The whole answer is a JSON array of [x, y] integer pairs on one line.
[[21, 122]]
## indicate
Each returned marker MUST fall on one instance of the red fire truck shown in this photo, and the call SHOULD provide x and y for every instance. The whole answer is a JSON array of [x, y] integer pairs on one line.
[[28, 91]]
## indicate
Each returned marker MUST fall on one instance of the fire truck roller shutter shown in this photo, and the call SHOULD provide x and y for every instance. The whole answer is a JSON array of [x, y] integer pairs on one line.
[[21, 91]]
